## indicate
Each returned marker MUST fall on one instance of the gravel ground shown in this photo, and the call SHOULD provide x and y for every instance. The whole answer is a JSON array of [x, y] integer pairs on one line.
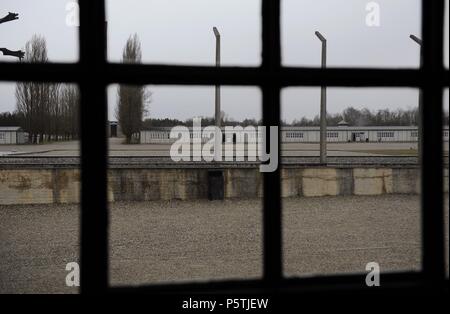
[[185, 240]]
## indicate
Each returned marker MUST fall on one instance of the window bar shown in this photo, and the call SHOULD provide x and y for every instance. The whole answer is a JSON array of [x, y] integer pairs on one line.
[[88, 74], [94, 212], [271, 62], [432, 150]]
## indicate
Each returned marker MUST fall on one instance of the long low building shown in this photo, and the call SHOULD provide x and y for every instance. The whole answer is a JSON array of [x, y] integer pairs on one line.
[[302, 134], [12, 135], [353, 134]]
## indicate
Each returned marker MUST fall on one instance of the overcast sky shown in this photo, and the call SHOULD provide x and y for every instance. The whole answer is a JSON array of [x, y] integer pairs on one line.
[[180, 32]]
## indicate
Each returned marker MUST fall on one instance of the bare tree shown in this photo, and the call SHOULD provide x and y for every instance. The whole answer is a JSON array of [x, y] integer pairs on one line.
[[54, 113], [69, 112], [132, 100], [36, 101]]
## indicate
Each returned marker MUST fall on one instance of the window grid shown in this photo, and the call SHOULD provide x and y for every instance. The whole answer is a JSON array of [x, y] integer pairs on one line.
[[93, 74]]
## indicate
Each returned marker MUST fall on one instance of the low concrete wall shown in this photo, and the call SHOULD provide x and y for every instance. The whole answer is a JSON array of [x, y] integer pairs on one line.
[[35, 186], [44, 186], [350, 181]]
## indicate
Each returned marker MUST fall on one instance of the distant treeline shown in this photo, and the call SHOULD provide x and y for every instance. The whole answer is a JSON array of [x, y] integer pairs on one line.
[[158, 123], [365, 117], [11, 119], [354, 117]]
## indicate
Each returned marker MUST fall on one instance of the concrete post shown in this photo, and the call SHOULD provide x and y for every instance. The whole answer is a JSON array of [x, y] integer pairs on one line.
[[419, 126], [217, 97], [323, 105], [218, 136]]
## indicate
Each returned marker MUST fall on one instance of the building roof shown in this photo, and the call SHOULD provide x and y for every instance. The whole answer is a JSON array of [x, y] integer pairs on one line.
[[350, 128], [313, 128], [343, 123], [317, 128], [10, 128]]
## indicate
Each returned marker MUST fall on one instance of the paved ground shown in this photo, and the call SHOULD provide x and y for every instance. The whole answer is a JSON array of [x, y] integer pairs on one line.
[[117, 148], [179, 241]]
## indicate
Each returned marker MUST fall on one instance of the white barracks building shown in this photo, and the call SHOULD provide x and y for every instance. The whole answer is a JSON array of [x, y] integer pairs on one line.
[[289, 134]]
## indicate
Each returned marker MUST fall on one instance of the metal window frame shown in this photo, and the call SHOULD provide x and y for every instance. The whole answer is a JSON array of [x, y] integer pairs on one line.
[[93, 73]]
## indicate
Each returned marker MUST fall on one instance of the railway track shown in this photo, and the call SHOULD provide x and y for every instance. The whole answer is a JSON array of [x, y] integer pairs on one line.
[[166, 162]]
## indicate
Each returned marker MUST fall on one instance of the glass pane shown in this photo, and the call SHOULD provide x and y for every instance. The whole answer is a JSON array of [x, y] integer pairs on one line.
[[358, 33], [181, 32], [181, 220], [361, 205], [51, 21], [39, 188]]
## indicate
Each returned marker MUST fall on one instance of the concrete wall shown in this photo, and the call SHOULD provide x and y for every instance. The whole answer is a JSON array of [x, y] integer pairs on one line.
[[44, 186], [34, 186]]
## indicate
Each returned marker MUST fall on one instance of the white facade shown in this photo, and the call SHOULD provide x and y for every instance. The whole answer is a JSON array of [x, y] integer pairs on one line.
[[351, 134], [310, 134], [12, 135]]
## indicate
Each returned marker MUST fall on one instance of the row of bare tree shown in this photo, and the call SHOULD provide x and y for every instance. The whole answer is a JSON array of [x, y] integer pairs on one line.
[[50, 111], [47, 111]]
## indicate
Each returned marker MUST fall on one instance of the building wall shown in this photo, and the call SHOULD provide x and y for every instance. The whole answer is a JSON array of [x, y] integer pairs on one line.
[[308, 135], [32, 186], [8, 137], [13, 137]]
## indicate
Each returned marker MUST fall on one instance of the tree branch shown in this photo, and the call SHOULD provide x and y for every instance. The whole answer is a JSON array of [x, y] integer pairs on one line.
[[18, 54], [10, 17]]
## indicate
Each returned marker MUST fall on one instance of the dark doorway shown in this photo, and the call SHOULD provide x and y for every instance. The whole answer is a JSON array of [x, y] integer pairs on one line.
[[113, 130], [215, 185]]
